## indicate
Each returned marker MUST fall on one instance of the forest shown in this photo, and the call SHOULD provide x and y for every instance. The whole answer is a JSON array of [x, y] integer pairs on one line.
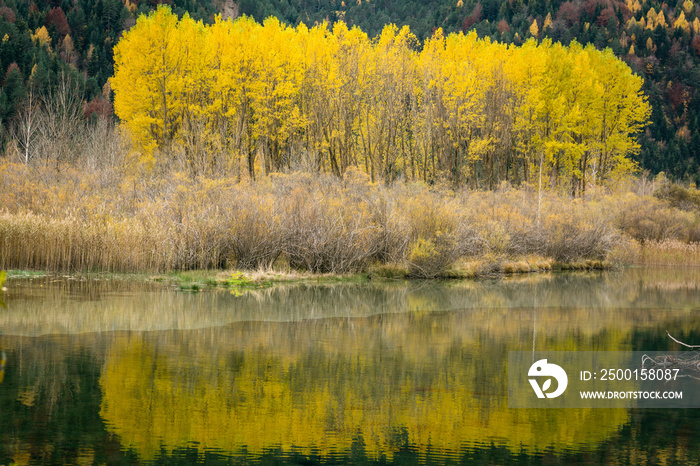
[[46, 40], [221, 143], [470, 111]]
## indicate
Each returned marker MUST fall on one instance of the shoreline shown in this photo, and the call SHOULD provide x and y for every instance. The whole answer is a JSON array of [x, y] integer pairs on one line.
[[659, 254], [200, 280]]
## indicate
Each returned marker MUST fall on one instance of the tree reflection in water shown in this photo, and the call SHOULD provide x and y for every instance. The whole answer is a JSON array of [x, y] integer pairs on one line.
[[383, 373]]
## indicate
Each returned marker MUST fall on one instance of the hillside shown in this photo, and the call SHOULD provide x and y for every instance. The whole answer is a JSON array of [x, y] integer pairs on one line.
[[660, 42]]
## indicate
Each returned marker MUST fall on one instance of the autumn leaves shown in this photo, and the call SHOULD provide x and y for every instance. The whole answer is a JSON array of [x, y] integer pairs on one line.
[[248, 99]]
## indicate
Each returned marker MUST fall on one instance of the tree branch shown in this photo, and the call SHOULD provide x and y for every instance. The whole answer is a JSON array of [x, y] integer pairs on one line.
[[680, 342]]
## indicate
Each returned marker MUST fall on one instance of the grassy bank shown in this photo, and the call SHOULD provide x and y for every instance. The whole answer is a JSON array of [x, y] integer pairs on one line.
[[110, 220], [670, 252]]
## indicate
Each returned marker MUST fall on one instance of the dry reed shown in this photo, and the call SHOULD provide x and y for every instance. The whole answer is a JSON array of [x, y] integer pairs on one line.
[[109, 219], [670, 252]]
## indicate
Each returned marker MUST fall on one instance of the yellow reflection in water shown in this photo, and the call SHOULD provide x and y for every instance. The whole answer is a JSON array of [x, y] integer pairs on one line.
[[319, 386], [328, 365]]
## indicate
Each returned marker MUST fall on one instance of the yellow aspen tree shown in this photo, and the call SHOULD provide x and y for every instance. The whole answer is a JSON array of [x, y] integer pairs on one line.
[[534, 30], [234, 63], [491, 151], [246, 65], [147, 60], [222, 101], [621, 112], [428, 90], [551, 125], [633, 5], [556, 119], [661, 19], [526, 72], [465, 74], [688, 6], [196, 135], [584, 83], [41, 36], [355, 67], [320, 83], [577, 126], [651, 19], [464, 109], [681, 23], [275, 92], [333, 92], [366, 76], [394, 72], [547, 21]]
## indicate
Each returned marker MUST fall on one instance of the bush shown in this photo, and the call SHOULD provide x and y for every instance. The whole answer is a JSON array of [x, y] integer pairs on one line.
[[256, 235], [111, 220], [648, 218], [326, 234], [430, 257], [678, 196]]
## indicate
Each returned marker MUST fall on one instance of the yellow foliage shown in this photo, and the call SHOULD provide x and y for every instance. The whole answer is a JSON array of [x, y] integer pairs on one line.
[[41, 35], [422, 250], [155, 400], [682, 23], [688, 6], [661, 19], [651, 17], [534, 30], [547, 21], [255, 99], [633, 5]]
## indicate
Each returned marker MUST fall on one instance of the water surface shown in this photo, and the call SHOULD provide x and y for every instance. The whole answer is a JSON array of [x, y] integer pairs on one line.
[[410, 372]]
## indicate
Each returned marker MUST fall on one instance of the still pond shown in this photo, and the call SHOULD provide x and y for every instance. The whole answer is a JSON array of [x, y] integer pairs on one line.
[[124, 372]]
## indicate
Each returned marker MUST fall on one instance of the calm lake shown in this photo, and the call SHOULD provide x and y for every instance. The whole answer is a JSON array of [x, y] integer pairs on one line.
[[101, 371]]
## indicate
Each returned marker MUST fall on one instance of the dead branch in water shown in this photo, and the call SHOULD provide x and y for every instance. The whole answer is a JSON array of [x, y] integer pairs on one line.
[[680, 342], [690, 361]]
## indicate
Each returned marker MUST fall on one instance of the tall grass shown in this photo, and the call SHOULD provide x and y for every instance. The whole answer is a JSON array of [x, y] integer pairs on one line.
[[109, 219], [671, 252]]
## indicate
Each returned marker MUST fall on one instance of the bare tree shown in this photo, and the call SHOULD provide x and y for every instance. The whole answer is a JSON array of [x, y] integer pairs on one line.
[[25, 130], [61, 120], [102, 146]]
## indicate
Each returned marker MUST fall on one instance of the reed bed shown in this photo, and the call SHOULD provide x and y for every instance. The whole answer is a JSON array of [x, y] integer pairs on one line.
[[120, 221], [670, 252]]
